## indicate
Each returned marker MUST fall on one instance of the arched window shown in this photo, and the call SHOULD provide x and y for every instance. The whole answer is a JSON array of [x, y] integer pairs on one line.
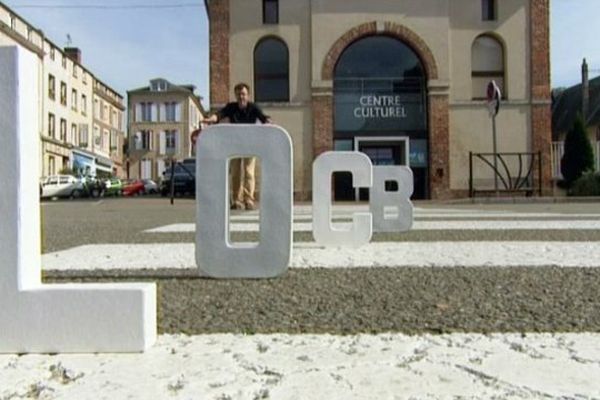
[[271, 71], [379, 86], [487, 63]]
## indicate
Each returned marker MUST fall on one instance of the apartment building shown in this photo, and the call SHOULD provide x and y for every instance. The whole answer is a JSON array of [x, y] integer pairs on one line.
[[402, 81], [108, 133], [161, 118], [68, 91]]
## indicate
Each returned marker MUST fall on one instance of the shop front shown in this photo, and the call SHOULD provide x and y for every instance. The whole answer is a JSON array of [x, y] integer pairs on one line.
[[380, 109], [104, 167], [83, 163]]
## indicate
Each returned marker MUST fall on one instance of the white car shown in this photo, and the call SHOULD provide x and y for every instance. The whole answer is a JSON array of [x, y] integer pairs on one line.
[[61, 186], [150, 186]]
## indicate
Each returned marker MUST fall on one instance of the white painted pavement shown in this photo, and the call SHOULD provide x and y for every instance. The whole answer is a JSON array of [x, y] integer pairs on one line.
[[375, 254], [386, 366], [417, 225]]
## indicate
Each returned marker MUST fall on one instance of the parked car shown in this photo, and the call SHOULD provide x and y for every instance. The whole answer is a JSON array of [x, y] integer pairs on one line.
[[133, 188], [184, 179], [61, 186], [114, 187], [150, 186], [93, 187]]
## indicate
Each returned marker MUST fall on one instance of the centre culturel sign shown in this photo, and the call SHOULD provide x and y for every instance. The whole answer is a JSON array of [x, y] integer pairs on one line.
[[373, 106], [379, 111], [41, 318]]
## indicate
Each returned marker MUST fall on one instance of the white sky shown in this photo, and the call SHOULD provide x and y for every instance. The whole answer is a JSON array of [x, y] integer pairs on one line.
[[127, 48]]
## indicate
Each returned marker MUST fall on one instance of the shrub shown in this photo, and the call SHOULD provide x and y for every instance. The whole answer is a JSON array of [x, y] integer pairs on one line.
[[579, 155], [587, 185]]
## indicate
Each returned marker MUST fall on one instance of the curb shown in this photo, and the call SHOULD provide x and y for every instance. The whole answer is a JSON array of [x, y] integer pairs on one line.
[[522, 200]]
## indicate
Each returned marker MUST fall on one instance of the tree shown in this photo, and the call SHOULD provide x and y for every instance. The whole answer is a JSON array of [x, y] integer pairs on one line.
[[579, 156]]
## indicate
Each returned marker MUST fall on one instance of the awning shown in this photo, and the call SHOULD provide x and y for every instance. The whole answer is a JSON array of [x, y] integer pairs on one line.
[[104, 162], [103, 168]]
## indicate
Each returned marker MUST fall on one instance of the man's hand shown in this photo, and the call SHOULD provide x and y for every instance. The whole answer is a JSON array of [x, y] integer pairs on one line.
[[213, 119]]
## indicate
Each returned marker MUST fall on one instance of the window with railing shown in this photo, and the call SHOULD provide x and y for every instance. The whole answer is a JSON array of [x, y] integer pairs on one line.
[[83, 104]]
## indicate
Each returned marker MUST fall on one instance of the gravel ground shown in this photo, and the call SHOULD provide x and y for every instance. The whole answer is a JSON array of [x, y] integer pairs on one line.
[[340, 301], [408, 300]]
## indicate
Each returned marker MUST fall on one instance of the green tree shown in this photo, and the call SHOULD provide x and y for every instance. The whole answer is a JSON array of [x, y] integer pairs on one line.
[[579, 156]]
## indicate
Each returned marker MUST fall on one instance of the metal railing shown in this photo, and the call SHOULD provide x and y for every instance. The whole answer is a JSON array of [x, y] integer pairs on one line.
[[515, 173]]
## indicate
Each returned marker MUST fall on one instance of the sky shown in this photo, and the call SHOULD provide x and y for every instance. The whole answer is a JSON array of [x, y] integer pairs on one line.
[[125, 48]]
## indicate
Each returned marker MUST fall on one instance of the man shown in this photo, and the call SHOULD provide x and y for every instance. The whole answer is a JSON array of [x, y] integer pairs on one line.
[[243, 111]]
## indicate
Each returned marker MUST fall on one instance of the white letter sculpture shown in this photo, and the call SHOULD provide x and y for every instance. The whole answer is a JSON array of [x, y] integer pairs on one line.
[[37, 318], [216, 256], [362, 176], [380, 198]]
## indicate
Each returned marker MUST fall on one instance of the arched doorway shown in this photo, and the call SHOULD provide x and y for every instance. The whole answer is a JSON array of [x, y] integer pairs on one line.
[[380, 108]]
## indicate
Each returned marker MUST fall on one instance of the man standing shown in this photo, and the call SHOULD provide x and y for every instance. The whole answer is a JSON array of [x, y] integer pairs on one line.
[[242, 169]]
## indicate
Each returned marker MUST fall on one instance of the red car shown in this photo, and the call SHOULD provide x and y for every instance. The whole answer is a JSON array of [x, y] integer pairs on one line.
[[133, 188]]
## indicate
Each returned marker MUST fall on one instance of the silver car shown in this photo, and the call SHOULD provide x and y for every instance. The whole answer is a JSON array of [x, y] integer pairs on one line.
[[150, 186]]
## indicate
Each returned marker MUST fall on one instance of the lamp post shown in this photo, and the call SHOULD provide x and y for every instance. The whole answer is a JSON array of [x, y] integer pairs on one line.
[[493, 102], [170, 151]]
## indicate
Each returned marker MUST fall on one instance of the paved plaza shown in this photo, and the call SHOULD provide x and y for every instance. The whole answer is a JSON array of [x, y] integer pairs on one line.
[[476, 301]]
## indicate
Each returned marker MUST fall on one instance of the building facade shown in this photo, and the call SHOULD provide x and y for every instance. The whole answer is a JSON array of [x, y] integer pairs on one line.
[[162, 117], [404, 82], [67, 117]]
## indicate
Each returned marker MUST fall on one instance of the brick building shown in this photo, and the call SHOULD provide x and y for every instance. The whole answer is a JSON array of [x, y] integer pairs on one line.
[[403, 82]]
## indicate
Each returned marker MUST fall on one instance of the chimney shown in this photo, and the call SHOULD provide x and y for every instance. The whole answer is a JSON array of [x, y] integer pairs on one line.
[[74, 54], [585, 88]]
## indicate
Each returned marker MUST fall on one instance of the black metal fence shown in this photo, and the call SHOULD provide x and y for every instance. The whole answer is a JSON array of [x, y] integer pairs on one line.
[[513, 173]]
